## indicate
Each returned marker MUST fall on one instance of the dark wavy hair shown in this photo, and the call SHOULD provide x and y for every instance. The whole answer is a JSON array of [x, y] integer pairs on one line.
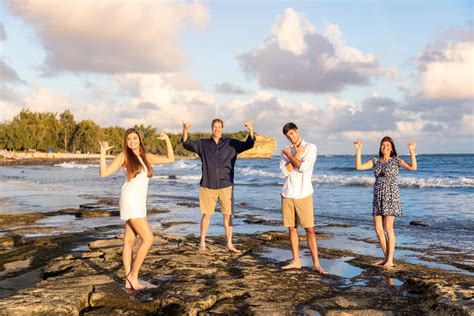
[[131, 163], [390, 140], [288, 127]]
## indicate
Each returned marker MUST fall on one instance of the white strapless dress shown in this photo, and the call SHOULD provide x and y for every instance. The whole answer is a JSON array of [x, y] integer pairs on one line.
[[133, 196]]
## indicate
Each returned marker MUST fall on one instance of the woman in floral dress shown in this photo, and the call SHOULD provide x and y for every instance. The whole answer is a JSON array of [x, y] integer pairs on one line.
[[386, 204]]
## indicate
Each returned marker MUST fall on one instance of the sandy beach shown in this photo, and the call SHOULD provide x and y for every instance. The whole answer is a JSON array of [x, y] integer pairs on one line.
[[81, 273]]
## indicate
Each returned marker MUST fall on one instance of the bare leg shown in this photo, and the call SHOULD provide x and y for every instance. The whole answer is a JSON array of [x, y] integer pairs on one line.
[[205, 220], [379, 230], [140, 225], [228, 232], [129, 238], [388, 223], [294, 243], [313, 248]]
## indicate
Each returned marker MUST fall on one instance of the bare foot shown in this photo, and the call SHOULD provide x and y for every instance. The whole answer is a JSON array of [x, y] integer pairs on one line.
[[319, 269], [135, 285], [127, 284], [292, 265], [388, 265], [380, 262], [231, 248], [202, 247]]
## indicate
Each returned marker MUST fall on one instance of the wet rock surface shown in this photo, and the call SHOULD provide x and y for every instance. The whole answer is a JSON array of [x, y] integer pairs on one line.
[[185, 281], [81, 273]]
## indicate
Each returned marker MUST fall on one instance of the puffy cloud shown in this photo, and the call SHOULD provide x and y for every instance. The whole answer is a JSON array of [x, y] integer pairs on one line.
[[338, 116], [297, 58], [336, 123], [447, 66], [111, 36], [228, 88], [290, 30], [156, 102]]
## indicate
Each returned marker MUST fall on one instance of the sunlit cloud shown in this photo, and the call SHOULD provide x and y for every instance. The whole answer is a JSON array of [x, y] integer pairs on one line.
[[112, 36], [298, 58]]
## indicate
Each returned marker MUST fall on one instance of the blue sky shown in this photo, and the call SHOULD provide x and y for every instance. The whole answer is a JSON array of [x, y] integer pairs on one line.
[[341, 70]]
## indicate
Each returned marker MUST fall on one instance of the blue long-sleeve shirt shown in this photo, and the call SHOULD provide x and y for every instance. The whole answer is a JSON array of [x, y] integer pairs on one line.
[[218, 159]]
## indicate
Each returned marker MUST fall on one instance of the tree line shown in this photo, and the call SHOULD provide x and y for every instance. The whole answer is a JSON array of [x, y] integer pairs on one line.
[[48, 131]]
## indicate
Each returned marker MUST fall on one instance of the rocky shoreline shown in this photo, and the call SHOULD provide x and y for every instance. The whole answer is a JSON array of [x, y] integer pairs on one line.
[[81, 273]]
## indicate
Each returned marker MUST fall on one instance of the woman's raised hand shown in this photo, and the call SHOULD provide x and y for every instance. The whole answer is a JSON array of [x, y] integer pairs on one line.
[[358, 144], [411, 145], [104, 146], [163, 136]]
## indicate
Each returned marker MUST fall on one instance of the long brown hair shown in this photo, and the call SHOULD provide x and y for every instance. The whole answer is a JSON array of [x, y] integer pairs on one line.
[[390, 140], [131, 163]]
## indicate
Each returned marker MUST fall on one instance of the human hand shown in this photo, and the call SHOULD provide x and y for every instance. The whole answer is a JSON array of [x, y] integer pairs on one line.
[[104, 146], [186, 125], [411, 145], [163, 136], [249, 125], [358, 144], [286, 151]]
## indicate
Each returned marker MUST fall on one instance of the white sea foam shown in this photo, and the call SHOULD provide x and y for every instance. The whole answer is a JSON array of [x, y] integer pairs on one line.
[[72, 165], [183, 164], [343, 180], [429, 182], [247, 171]]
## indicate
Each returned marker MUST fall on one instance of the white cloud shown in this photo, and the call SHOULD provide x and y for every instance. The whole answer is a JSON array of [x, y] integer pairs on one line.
[[290, 30], [447, 71], [172, 105], [297, 58], [44, 100], [111, 36]]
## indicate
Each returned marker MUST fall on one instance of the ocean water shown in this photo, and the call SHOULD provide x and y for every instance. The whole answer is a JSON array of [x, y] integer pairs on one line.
[[440, 193]]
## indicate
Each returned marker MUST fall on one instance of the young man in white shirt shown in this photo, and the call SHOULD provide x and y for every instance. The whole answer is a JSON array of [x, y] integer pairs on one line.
[[296, 164]]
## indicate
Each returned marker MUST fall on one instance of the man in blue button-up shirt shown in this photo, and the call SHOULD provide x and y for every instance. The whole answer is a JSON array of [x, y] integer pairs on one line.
[[218, 156]]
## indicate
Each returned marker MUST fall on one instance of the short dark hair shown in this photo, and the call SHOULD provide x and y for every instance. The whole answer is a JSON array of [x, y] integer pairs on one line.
[[390, 140], [217, 120], [288, 127]]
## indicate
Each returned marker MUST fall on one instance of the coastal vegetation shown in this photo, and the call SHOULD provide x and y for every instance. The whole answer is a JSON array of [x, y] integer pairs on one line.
[[48, 131]]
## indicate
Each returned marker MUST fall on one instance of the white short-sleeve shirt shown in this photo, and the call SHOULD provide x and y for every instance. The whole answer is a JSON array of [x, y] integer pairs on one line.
[[298, 183]]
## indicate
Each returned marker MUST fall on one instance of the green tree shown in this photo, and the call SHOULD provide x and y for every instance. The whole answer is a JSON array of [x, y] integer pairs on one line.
[[24, 129], [67, 126], [48, 128], [150, 141], [114, 135], [85, 137]]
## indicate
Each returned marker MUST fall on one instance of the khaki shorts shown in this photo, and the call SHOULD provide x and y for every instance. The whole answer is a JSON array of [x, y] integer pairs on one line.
[[297, 208], [208, 199]]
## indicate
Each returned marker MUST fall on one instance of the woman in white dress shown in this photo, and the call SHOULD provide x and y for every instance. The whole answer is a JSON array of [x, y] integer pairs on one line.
[[136, 164]]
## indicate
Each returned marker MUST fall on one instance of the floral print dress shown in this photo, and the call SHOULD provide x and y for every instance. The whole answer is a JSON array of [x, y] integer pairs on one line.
[[386, 192]]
